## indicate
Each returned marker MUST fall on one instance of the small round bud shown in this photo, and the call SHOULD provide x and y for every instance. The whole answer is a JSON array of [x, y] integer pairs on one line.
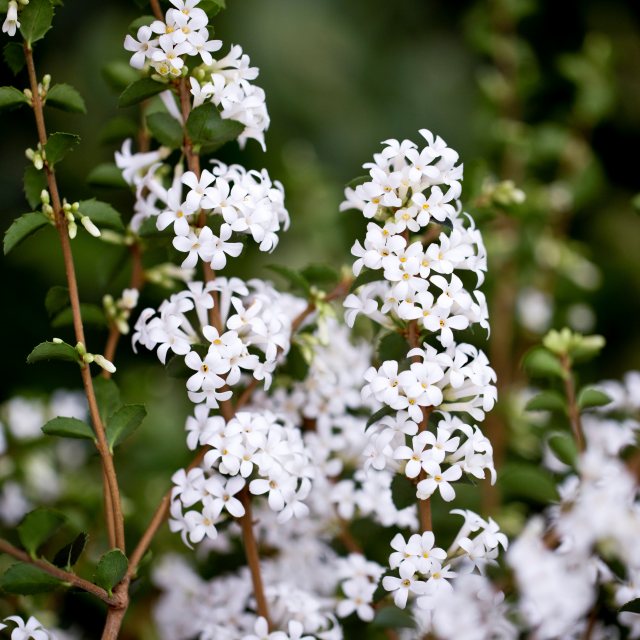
[[57, 340], [88, 358], [44, 197]]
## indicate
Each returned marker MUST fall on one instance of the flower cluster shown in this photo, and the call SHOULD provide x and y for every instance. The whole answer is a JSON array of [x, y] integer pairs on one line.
[[31, 629]]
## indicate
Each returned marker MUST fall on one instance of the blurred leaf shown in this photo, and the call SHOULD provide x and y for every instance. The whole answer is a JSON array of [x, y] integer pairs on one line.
[[21, 228], [149, 228], [117, 129], [320, 274], [165, 129], [296, 365], [37, 527], [58, 145], [13, 54], [111, 569], [65, 97], [392, 346], [68, 428], [140, 90], [212, 7], [107, 175], [296, 280], [540, 362], [590, 397], [522, 480], [176, 366], [27, 579], [403, 492], [11, 97], [56, 300], [36, 19], [123, 423], [53, 351], [107, 397], [365, 277], [102, 214], [34, 182], [380, 591], [393, 618], [633, 606], [119, 74], [70, 553], [142, 21], [356, 182], [547, 401], [564, 447], [379, 414], [635, 202], [208, 129], [91, 314]]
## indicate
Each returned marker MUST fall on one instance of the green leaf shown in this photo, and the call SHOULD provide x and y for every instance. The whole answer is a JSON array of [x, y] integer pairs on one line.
[[540, 362], [107, 397], [124, 422], [56, 300], [320, 274], [91, 314], [34, 182], [13, 54], [36, 19], [107, 175], [68, 428], [365, 277], [10, 97], [403, 492], [521, 480], [65, 97], [53, 351], [21, 228], [295, 279], [393, 618], [176, 366], [590, 397], [142, 21], [165, 129], [70, 553], [547, 401], [140, 90], [58, 145], [102, 214], [209, 130], [380, 591], [212, 7], [356, 182], [392, 346], [296, 364], [111, 569], [564, 447], [149, 228], [37, 527], [633, 606], [27, 579], [119, 74], [117, 129], [379, 414]]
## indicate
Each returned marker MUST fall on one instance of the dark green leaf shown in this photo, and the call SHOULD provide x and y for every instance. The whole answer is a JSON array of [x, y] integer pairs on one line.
[[107, 175], [11, 97], [57, 299], [53, 351], [91, 314], [590, 397], [403, 492], [379, 414], [65, 97], [149, 228], [380, 591], [35, 19], [392, 346], [209, 130], [633, 606], [296, 365], [27, 579], [165, 129], [212, 7], [320, 274], [70, 553], [547, 401], [540, 362], [34, 182], [176, 367], [117, 129], [564, 447], [37, 527], [13, 55], [58, 145], [140, 90], [124, 422], [366, 276], [22, 228], [393, 618], [142, 21], [295, 279], [107, 397], [111, 569], [526, 481], [119, 74], [356, 182], [68, 428], [102, 214]]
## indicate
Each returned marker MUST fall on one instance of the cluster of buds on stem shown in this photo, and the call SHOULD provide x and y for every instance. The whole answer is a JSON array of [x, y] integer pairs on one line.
[[119, 311], [88, 358]]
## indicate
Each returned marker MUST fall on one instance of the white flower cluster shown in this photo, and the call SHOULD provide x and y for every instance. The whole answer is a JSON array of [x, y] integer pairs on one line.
[[11, 23], [32, 629], [226, 82]]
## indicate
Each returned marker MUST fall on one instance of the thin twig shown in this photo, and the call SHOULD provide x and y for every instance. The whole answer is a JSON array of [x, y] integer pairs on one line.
[[574, 410]]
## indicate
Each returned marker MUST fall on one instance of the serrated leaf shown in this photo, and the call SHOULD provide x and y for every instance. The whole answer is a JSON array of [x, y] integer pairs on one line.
[[27, 579], [65, 97], [633, 606], [102, 214], [547, 401], [119, 74], [140, 90], [117, 129], [59, 145], [13, 55], [379, 414], [107, 175], [66, 557], [124, 422], [36, 19], [295, 279], [107, 397], [56, 300], [53, 351], [564, 447], [37, 527], [590, 397], [208, 129], [527, 481], [365, 277], [320, 274], [10, 97], [34, 182], [21, 228], [296, 365], [392, 346], [540, 362], [111, 569], [393, 618], [165, 129], [403, 492], [64, 427]]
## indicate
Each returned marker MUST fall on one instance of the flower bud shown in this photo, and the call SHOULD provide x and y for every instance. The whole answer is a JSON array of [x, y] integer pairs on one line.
[[44, 197], [101, 361], [89, 226], [73, 230]]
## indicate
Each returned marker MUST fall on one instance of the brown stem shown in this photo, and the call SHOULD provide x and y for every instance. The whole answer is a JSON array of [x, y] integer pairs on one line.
[[574, 410], [157, 11], [60, 574]]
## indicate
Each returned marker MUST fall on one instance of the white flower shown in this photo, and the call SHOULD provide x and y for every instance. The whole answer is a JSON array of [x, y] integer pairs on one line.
[[32, 629], [11, 22], [438, 480], [405, 584], [143, 48]]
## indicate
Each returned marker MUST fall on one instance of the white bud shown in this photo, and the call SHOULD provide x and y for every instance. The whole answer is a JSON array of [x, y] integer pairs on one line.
[[101, 361], [44, 197], [73, 230], [89, 226], [57, 340]]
